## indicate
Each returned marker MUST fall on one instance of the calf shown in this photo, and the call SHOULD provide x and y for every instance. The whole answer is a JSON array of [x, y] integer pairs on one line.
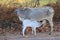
[[33, 24]]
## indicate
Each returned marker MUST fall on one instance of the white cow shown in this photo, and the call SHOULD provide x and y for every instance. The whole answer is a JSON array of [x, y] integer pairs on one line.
[[37, 14], [33, 24]]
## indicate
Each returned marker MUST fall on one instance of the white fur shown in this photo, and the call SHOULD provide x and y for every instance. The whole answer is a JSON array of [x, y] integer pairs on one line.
[[30, 23]]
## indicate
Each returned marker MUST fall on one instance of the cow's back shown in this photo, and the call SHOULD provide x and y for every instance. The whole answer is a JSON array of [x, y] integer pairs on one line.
[[40, 13]]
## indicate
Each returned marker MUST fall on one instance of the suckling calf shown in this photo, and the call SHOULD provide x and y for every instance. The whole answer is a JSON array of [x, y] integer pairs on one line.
[[31, 23]]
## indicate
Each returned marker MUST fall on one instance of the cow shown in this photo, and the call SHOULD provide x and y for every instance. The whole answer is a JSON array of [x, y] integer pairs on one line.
[[37, 14]]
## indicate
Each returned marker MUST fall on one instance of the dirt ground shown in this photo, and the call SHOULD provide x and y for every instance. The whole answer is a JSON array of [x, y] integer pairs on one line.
[[39, 36]]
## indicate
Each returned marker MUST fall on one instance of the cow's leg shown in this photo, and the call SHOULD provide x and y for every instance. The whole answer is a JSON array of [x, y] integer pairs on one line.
[[51, 24]]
